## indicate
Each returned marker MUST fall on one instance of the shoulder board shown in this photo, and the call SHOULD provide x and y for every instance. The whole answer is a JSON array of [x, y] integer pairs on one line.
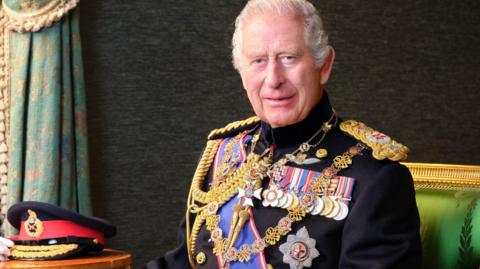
[[233, 128], [382, 145]]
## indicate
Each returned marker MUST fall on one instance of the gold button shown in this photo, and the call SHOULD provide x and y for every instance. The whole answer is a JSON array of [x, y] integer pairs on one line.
[[201, 258], [321, 153], [269, 266]]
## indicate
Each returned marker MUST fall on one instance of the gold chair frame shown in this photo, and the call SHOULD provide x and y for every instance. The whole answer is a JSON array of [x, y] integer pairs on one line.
[[445, 176]]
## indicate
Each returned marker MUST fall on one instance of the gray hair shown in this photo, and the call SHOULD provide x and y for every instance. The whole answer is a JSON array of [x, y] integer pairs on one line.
[[315, 36]]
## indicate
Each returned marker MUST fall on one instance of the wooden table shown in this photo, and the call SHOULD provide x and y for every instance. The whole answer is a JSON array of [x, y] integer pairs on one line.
[[107, 259]]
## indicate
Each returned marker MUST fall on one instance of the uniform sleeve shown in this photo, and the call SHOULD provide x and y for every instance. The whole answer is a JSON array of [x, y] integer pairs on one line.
[[382, 230], [173, 259]]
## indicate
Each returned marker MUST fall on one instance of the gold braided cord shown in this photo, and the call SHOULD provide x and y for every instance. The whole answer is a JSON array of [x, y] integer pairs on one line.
[[202, 170], [197, 225], [19, 251], [392, 149], [226, 189], [220, 195], [200, 173], [445, 176], [234, 125]]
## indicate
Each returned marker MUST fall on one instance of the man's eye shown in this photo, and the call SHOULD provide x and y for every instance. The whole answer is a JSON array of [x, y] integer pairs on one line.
[[287, 58], [258, 61]]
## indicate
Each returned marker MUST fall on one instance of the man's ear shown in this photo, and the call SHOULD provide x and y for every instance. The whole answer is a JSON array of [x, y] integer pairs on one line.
[[327, 66]]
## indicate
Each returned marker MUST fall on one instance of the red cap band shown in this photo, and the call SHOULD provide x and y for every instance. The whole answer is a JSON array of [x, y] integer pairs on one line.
[[61, 228]]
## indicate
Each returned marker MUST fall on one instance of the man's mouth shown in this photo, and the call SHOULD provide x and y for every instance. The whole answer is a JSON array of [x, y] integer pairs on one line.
[[278, 101]]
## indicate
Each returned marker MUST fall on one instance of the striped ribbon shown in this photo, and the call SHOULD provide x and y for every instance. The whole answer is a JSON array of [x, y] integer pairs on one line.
[[299, 180]]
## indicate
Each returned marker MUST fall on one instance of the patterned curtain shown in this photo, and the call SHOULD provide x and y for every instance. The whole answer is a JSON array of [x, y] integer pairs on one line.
[[43, 134]]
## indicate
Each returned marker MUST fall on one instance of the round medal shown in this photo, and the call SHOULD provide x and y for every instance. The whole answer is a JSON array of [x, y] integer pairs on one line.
[[282, 200], [327, 206], [307, 199], [318, 206], [295, 201], [289, 200], [310, 208], [335, 210], [343, 212], [270, 197]]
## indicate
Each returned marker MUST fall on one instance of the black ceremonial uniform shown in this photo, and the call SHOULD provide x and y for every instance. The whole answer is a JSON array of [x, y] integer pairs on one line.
[[381, 229]]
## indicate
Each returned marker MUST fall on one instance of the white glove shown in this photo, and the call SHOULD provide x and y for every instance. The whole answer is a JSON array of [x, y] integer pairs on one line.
[[5, 244]]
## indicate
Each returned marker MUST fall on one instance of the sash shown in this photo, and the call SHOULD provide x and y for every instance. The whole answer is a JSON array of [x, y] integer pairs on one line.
[[248, 235], [238, 152], [249, 232]]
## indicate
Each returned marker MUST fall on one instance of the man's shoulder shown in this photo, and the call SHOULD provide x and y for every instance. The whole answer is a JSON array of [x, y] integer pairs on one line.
[[381, 153], [234, 128], [383, 147]]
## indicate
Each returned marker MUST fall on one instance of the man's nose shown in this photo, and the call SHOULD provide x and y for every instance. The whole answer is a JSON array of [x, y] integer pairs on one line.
[[274, 75]]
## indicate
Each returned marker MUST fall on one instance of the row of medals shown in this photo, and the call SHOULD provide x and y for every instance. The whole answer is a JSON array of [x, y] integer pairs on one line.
[[331, 207]]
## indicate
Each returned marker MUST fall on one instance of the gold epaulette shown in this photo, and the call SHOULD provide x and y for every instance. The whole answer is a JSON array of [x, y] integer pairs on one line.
[[233, 126], [382, 145]]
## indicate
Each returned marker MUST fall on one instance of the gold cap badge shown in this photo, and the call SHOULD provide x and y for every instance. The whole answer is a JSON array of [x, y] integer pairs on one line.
[[33, 226]]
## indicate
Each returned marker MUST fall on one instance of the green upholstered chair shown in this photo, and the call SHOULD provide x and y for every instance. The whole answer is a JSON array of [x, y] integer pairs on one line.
[[448, 201]]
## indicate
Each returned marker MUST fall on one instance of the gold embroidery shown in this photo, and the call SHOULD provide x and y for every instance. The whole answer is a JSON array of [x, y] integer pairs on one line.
[[233, 125], [382, 145], [33, 226], [20, 251]]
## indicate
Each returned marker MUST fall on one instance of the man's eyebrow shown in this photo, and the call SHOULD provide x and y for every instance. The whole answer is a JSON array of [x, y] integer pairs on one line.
[[295, 51], [259, 53]]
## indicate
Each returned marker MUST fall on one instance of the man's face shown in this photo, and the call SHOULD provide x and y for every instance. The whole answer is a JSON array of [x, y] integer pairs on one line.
[[278, 69]]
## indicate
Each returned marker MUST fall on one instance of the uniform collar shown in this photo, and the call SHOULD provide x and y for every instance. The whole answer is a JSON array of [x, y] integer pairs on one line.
[[300, 132]]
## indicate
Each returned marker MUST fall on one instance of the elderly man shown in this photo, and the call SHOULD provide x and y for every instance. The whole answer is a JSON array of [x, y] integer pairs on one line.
[[295, 186]]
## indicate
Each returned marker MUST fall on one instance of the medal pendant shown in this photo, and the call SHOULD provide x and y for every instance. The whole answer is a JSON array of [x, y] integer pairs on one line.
[[335, 210], [343, 212], [328, 206], [318, 206]]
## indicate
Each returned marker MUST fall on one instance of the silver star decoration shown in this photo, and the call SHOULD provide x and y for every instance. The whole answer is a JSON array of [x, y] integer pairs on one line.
[[299, 250]]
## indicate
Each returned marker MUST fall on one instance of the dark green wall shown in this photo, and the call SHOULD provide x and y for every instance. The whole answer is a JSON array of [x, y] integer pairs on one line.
[[159, 78]]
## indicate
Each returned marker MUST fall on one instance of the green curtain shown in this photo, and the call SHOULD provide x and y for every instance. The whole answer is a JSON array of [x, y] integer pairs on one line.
[[46, 119]]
